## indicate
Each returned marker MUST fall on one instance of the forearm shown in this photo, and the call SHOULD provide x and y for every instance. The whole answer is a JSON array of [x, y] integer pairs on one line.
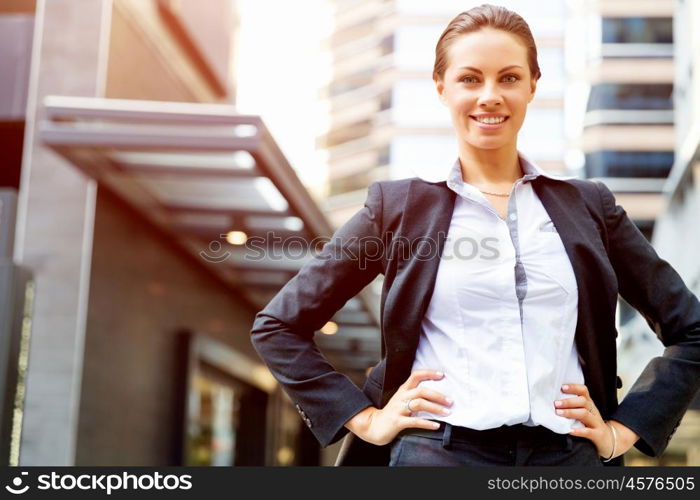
[[324, 397], [655, 404]]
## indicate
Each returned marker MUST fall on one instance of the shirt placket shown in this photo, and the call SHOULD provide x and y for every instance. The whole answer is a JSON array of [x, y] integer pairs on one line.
[[514, 387], [516, 384]]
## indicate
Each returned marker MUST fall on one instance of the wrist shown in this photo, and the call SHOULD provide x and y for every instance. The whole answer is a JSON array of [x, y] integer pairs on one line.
[[626, 437], [360, 422], [613, 450]]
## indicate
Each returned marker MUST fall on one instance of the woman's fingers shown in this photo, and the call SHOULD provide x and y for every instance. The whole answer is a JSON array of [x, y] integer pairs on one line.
[[582, 401], [583, 409], [432, 395], [585, 432], [421, 423], [418, 375], [580, 407], [579, 389], [581, 414], [420, 404], [575, 402], [428, 395]]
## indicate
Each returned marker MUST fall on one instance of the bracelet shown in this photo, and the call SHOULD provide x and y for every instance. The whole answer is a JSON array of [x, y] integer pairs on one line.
[[614, 433]]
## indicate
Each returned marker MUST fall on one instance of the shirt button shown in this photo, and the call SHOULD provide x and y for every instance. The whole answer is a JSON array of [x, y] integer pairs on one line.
[[512, 216]]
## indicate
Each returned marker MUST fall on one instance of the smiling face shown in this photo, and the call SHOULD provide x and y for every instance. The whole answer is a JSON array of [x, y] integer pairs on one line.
[[487, 75]]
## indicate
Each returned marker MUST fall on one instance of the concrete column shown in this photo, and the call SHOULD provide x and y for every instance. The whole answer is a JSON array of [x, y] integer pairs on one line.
[[54, 227]]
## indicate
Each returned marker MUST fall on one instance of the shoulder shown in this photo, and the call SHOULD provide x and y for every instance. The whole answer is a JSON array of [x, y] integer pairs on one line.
[[591, 191], [396, 186], [391, 192], [579, 194], [393, 195], [585, 186], [398, 192], [589, 187], [399, 188]]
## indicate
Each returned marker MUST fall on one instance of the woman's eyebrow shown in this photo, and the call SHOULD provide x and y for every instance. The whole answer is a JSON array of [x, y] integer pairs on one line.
[[481, 73]]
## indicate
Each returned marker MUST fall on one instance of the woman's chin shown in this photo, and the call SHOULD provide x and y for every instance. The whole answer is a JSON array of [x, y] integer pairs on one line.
[[488, 142]]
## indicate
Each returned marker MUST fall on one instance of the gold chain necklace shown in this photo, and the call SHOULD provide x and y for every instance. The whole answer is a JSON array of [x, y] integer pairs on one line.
[[494, 194]]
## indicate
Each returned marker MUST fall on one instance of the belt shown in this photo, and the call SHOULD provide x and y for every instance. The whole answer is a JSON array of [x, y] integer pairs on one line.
[[506, 435]]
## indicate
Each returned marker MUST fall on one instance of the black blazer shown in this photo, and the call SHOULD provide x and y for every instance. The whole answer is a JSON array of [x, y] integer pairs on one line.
[[609, 256]]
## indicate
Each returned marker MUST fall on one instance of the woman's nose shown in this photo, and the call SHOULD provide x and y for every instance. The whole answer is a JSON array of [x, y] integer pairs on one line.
[[489, 94]]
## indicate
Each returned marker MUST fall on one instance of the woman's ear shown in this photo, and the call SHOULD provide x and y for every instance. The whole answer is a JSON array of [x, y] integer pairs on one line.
[[533, 87], [440, 87]]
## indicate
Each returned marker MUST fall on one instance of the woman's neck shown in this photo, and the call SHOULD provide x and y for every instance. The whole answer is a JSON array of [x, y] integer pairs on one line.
[[490, 167]]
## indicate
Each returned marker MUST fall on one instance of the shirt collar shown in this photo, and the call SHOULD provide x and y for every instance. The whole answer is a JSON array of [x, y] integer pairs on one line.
[[530, 171]]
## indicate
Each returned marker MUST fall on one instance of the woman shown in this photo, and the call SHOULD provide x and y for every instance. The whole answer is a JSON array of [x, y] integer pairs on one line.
[[498, 307]]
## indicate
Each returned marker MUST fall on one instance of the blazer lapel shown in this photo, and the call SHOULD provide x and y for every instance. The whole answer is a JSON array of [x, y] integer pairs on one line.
[[595, 278], [418, 247]]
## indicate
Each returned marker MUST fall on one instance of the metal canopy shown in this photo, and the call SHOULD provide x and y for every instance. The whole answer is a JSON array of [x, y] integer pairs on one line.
[[198, 172]]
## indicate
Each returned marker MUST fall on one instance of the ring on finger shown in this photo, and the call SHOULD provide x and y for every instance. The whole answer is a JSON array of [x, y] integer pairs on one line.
[[407, 405]]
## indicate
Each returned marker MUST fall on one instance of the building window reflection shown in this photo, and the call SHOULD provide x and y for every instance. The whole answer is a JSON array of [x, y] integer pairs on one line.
[[637, 96], [648, 164], [225, 420], [637, 30]]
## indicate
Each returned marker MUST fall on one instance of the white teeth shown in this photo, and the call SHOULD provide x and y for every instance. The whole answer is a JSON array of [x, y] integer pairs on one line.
[[491, 120]]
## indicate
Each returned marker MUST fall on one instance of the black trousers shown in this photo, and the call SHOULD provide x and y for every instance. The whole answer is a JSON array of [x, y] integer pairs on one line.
[[516, 445]]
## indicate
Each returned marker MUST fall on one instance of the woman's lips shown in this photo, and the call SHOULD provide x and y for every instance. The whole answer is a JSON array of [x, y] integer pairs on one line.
[[489, 126]]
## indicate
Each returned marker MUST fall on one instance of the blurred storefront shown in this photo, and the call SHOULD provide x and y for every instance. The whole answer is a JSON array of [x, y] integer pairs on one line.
[[136, 186]]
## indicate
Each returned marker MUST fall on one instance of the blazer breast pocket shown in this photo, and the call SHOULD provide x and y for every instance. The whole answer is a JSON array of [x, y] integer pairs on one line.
[[547, 227]]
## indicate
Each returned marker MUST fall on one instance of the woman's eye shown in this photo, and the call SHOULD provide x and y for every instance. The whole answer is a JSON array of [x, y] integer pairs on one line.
[[471, 79]]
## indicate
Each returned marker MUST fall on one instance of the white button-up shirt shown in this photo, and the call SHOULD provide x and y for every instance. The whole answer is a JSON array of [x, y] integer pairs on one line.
[[503, 313]]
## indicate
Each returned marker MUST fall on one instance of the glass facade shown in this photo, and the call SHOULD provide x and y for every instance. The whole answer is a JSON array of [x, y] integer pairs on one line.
[[637, 30], [225, 421], [631, 96], [654, 164]]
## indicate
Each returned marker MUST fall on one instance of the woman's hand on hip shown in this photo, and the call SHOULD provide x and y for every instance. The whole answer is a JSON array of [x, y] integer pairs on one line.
[[380, 427], [582, 408]]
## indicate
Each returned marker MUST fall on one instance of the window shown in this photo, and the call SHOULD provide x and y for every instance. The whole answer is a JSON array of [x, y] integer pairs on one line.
[[648, 164], [637, 30], [631, 96]]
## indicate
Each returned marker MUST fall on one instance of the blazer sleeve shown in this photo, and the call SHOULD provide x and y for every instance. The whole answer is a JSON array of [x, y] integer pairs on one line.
[[658, 399], [283, 331]]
